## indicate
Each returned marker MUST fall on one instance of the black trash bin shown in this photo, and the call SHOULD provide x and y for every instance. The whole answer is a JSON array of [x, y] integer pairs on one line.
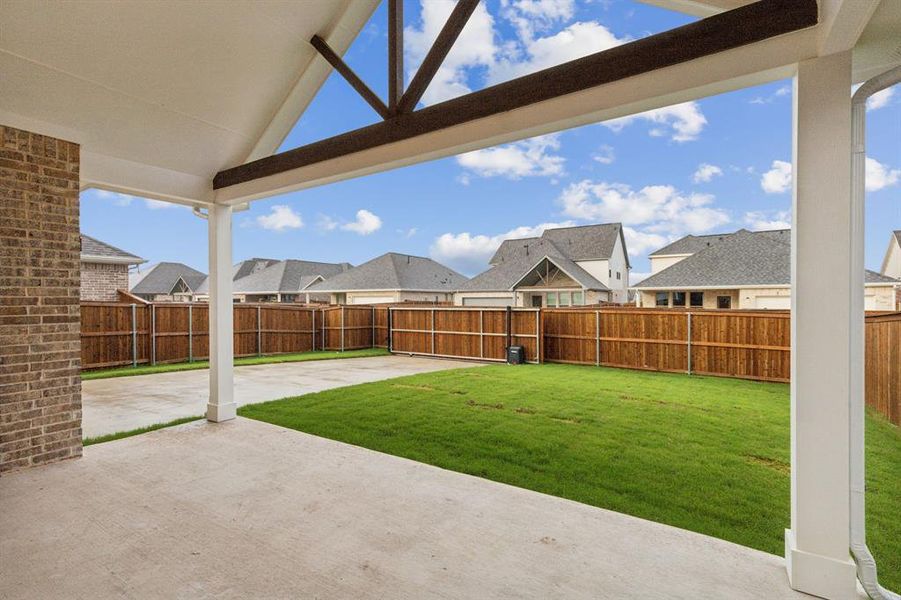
[[516, 355]]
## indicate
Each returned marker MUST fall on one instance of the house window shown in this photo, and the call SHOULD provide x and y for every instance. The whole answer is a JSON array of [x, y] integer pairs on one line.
[[552, 299], [564, 298], [678, 298], [619, 275], [724, 301], [288, 298], [609, 272], [662, 298], [578, 299], [697, 298]]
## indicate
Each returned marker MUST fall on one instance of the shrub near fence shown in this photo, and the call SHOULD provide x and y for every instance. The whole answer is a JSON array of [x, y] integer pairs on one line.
[[746, 344]]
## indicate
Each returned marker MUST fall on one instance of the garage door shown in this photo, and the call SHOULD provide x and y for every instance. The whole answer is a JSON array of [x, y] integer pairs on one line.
[[372, 299], [774, 302], [500, 301]]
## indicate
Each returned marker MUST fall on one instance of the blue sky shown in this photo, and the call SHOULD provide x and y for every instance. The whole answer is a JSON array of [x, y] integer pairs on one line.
[[714, 165]]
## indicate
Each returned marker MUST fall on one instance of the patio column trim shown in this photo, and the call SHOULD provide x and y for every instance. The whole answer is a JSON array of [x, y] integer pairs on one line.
[[817, 545], [221, 406]]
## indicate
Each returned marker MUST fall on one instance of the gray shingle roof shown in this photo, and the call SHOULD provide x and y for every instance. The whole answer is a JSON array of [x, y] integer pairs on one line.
[[732, 260], [520, 257], [162, 277], [898, 236], [394, 271], [287, 276], [583, 242], [93, 250]]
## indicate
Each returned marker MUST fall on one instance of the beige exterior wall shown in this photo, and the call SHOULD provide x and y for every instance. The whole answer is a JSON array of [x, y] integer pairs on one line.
[[658, 263], [875, 297], [647, 299], [891, 266], [40, 318], [387, 297], [100, 281]]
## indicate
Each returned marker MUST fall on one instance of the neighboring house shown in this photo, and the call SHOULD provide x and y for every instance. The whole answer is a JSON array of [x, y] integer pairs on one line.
[[271, 280], [104, 269], [392, 277], [891, 264], [166, 282], [568, 266], [735, 270]]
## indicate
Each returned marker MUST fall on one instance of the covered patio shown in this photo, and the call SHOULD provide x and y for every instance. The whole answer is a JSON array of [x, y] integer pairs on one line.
[[148, 517], [191, 107]]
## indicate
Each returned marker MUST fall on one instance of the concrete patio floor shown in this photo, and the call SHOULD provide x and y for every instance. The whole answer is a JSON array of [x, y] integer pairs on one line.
[[126, 403], [245, 509]]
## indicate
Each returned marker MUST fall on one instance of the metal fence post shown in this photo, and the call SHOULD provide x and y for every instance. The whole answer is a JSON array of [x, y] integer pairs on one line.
[[597, 338], [190, 333], [153, 334], [134, 335], [259, 331], [342, 328], [390, 335], [433, 331], [689, 343]]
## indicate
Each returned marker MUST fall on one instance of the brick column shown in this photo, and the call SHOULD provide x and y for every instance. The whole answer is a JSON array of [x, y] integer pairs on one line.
[[40, 325]]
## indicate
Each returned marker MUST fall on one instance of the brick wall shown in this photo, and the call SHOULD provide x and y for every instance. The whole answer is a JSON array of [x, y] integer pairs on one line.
[[40, 385], [100, 281]]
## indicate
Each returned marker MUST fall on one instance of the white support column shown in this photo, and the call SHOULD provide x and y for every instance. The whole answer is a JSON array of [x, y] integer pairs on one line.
[[817, 545], [221, 406]]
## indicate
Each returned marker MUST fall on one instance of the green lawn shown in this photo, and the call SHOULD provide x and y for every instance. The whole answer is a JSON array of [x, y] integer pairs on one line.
[[109, 437], [239, 362], [706, 454]]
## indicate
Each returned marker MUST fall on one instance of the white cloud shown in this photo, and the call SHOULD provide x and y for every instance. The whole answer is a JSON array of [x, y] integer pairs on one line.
[[365, 224], [160, 205], [659, 209], [280, 218], [706, 172], [879, 176], [880, 99], [470, 253], [762, 220], [119, 199], [408, 233], [528, 158], [682, 122], [474, 48], [529, 16], [785, 90], [640, 243], [529, 55], [778, 179], [326, 223], [604, 155]]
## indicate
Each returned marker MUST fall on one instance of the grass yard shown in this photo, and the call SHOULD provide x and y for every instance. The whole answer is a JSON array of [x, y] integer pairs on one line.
[[701, 453], [239, 362]]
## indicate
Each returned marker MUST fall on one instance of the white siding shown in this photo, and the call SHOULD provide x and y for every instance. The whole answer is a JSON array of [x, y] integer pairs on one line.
[[658, 263], [892, 264]]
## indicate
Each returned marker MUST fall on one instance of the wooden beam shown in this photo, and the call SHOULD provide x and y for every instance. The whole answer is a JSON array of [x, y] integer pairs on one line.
[[437, 53], [395, 53], [355, 82], [753, 23]]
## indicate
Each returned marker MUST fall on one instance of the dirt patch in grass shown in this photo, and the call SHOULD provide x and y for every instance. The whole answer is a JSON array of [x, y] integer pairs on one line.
[[475, 404], [780, 466], [525, 411]]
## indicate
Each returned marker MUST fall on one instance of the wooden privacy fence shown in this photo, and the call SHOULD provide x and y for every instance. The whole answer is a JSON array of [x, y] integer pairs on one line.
[[882, 364], [114, 334], [479, 333], [746, 344], [751, 345]]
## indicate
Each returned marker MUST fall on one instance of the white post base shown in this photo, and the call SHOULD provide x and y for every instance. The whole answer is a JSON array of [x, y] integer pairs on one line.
[[819, 575], [221, 412]]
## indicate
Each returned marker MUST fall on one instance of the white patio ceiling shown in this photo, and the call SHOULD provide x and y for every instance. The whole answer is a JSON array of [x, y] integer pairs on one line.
[[163, 95]]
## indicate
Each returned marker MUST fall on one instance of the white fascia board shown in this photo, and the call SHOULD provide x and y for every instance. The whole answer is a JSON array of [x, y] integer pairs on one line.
[[754, 64], [366, 291], [145, 181], [653, 256], [111, 260]]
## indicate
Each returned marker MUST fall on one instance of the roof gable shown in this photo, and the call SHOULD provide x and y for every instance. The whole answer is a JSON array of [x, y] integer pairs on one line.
[[93, 250], [162, 277]]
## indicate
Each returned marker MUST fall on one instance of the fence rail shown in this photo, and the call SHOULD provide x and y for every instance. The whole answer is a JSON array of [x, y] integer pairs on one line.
[[746, 344]]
